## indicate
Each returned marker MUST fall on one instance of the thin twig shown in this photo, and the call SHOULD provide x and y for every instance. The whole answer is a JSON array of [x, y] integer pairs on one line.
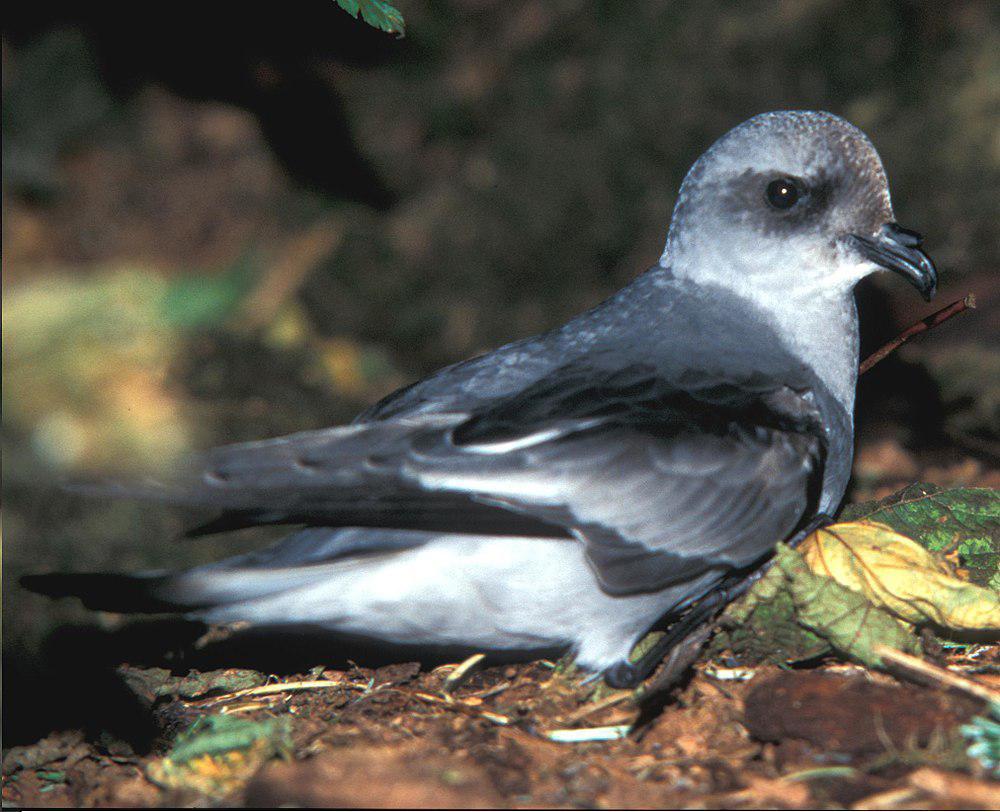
[[251, 706], [461, 673], [490, 692], [459, 705], [276, 688], [921, 326], [289, 269], [602, 704], [578, 735], [914, 667], [281, 687]]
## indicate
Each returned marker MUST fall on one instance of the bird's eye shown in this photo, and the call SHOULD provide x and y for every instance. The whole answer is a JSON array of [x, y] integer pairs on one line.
[[782, 193]]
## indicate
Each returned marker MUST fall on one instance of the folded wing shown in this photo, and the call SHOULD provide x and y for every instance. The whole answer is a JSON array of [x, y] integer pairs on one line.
[[660, 481]]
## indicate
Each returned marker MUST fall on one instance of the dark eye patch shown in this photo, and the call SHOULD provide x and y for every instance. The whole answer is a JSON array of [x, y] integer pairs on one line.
[[745, 199]]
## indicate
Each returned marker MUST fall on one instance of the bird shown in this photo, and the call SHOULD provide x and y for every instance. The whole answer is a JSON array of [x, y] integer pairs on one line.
[[631, 469]]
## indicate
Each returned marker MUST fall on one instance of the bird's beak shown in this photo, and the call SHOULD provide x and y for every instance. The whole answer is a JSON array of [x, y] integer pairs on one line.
[[898, 249]]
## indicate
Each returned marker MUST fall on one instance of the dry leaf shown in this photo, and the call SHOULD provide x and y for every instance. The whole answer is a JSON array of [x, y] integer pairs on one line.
[[895, 573]]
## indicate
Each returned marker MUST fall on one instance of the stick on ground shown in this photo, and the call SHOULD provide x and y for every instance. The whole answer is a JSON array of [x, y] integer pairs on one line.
[[921, 671]]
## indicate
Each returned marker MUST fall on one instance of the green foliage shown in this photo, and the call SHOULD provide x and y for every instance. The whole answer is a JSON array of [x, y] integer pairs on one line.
[[762, 627], [966, 520], [217, 735], [218, 754], [868, 583], [377, 13], [842, 617], [983, 735], [205, 300], [897, 574], [827, 615]]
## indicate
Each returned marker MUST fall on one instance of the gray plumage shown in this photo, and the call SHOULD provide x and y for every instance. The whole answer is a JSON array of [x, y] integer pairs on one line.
[[570, 489]]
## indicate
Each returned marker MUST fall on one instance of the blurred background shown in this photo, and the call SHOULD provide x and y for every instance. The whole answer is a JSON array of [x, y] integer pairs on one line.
[[222, 223]]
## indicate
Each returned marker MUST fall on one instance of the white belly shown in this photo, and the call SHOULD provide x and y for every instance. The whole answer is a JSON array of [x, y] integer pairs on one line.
[[493, 593]]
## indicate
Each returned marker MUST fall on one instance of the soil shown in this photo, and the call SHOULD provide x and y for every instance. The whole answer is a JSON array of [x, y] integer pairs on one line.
[[398, 736]]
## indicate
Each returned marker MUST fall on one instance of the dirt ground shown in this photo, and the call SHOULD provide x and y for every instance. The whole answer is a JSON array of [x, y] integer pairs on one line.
[[829, 736]]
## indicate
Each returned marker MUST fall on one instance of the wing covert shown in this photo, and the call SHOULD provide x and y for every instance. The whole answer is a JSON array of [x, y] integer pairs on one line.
[[661, 482]]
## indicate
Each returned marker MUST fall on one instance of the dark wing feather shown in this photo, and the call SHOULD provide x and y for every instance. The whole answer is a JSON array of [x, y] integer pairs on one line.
[[661, 482], [657, 511], [676, 479], [348, 476]]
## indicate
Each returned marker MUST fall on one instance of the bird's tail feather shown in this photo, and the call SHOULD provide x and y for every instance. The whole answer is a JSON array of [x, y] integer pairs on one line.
[[184, 591], [106, 591]]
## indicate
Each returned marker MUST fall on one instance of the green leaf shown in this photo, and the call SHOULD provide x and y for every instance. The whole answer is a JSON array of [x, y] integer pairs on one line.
[[966, 520], [792, 613], [897, 574], [761, 627], [216, 735], [207, 299], [377, 13], [840, 616], [983, 735], [217, 755]]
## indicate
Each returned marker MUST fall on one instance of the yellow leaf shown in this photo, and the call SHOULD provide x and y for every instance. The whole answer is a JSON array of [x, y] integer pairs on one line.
[[289, 329], [897, 574], [215, 775], [341, 358]]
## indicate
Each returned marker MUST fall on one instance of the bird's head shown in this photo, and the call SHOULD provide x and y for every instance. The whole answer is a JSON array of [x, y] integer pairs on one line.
[[795, 203]]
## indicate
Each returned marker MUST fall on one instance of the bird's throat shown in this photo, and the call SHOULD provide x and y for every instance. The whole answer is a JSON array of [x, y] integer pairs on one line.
[[822, 331]]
